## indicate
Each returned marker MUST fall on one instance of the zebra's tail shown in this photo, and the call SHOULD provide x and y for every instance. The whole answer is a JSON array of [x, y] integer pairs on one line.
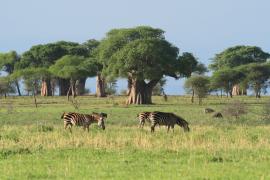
[[63, 115]]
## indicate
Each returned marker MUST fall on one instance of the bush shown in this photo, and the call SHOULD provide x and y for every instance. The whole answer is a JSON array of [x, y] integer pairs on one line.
[[235, 109]]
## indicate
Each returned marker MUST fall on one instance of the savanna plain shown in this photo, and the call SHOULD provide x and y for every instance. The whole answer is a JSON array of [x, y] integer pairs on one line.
[[34, 144]]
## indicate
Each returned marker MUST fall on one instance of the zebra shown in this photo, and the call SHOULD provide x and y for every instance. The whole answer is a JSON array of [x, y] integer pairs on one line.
[[85, 120], [143, 116], [167, 119]]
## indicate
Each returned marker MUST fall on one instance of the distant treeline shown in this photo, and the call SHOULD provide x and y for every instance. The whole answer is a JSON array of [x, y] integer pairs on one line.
[[142, 55]]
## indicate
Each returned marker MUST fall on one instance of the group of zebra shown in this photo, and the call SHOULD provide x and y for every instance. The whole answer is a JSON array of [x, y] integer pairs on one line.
[[155, 118]]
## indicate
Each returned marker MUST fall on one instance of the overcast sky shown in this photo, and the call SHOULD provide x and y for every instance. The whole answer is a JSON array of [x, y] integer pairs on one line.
[[203, 27]]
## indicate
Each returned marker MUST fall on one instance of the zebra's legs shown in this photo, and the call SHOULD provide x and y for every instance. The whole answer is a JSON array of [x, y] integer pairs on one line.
[[141, 124], [168, 128], [70, 128], [153, 127], [172, 128]]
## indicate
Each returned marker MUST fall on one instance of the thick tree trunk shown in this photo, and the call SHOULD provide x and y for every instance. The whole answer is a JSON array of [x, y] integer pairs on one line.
[[53, 85], [64, 85], [49, 87], [18, 87], [129, 85], [44, 89], [80, 86], [100, 86], [141, 93]]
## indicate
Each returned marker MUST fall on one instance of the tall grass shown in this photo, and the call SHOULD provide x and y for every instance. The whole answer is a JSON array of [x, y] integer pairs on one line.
[[34, 144]]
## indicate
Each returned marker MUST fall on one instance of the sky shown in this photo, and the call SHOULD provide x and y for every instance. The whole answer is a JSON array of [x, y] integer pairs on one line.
[[203, 27]]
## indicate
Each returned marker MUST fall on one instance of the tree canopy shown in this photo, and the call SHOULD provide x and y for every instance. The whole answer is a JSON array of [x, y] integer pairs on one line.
[[8, 61], [189, 64], [238, 55], [74, 67], [140, 53]]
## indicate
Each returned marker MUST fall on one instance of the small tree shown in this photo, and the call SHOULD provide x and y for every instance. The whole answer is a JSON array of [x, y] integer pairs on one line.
[[7, 64], [6, 86], [32, 75], [198, 85]]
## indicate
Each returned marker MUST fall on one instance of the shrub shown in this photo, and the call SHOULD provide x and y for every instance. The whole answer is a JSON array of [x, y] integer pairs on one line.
[[235, 109]]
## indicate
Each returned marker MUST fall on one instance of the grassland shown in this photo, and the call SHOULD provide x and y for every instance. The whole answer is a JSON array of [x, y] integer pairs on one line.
[[34, 145]]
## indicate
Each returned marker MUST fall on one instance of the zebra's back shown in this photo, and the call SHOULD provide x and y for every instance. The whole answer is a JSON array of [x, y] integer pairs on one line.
[[77, 119]]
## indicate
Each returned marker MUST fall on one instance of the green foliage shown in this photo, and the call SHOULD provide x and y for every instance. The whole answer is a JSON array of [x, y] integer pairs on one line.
[[31, 73], [225, 79], [46, 55], [141, 52], [189, 64], [238, 55], [74, 67], [6, 85], [8, 61], [257, 76], [199, 84]]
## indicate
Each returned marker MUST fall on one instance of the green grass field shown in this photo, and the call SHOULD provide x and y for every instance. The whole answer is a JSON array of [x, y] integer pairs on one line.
[[34, 145]]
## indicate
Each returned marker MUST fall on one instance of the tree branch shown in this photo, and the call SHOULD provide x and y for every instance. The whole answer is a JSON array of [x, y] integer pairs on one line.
[[153, 82]]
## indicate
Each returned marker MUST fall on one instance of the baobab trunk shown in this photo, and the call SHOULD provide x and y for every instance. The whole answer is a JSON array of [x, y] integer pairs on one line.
[[46, 88], [80, 86], [140, 92], [64, 85], [100, 87], [129, 85]]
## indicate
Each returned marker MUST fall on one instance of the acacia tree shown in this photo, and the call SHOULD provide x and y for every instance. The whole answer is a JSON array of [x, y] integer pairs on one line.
[[256, 76], [188, 64], [6, 86], [72, 68], [198, 84], [140, 54], [33, 76], [236, 56], [7, 64], [225, 79]]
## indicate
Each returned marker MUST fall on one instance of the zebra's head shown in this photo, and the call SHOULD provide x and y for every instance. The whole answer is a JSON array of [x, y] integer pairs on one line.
[[101, 120], [183, 123]]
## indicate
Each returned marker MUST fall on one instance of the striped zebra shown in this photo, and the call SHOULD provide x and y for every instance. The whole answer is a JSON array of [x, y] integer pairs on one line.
[[167, 119], [85, 120], [142, 117]]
